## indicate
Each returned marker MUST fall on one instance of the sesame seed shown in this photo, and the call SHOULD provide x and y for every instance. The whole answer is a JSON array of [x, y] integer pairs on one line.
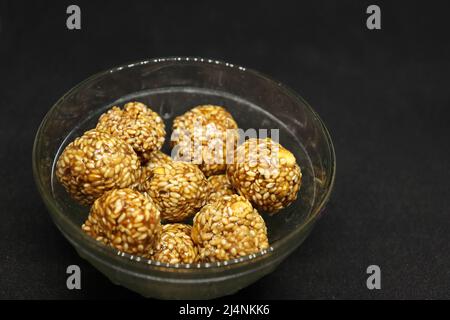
[[273, 182], [136, 124], [188, 190], [176, 245], [125, 230], [205, 125], [217, 241], [85, 176]]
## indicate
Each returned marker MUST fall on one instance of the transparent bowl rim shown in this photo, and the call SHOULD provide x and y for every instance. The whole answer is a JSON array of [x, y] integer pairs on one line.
[[100, 248]]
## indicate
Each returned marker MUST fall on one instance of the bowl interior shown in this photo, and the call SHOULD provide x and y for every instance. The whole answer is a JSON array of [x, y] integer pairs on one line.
[[171, 87]]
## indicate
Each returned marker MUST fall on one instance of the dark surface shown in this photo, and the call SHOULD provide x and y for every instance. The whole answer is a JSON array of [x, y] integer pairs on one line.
[[384, 96]]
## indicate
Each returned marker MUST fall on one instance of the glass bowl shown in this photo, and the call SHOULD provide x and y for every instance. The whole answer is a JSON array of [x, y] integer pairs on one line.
[[171, 86]]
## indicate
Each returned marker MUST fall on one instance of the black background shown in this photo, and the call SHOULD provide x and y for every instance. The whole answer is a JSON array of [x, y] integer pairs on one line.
[[384, 95]]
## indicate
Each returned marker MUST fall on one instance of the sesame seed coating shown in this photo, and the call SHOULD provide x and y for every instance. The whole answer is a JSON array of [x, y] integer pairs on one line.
[[154, 159], [176, 245], [227, 229], [210, 127], [125, 219], [94, 163], [137, 124], [179, 190], [219, 186], [265, 173]]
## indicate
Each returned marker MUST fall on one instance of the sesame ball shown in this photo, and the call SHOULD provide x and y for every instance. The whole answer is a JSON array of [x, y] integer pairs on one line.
[[176, 245], [137, 124], [219, 186], [154, 159], [205, 134], [227, 229], [179, 190], [125, 219], [265, 173], [94, 163]]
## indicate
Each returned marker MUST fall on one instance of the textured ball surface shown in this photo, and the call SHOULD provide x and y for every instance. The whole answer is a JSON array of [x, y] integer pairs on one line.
[[94, 163], [125, 219], [210, 129], [176, 245], [265, 173], [227, 229], [219, 187], [178, 189], [136, 124], [154, 159]]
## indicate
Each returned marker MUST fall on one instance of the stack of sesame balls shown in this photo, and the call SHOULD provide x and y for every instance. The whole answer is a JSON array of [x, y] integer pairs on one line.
[[141, 199]]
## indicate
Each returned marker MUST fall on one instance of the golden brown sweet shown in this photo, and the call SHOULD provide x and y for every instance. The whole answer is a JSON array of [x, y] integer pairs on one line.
[[136, 124], [265, 173], [219, 186], [176, 245], [154, 159], [94, 163], [178, 189], [125, 219], [205, 134], [227, 229]]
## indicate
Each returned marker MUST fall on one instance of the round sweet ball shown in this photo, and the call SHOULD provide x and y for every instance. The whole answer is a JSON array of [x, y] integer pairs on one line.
[[125, 219], [136, 124], [95, 163], [154, 159], [227, 229], [178, 189], [219, 187], [205, 134], [265, 173], [176, 245]]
